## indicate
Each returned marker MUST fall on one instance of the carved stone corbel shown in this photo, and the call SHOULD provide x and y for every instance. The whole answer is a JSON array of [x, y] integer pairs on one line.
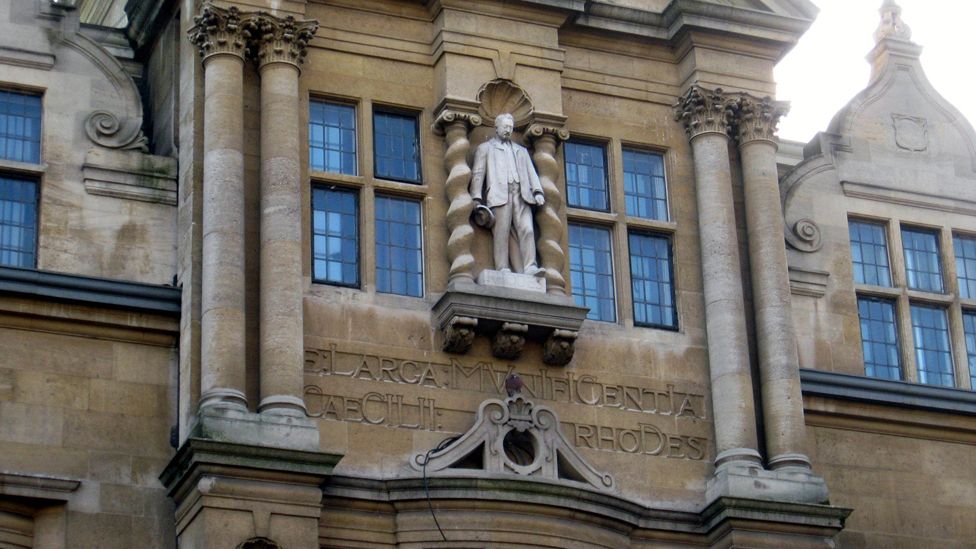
[[509, 340], [558, 350], [545, 139], [454, 125], [459, 334]]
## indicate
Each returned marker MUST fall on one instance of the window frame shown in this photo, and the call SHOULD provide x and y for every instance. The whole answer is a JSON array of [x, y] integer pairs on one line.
[[423, 249], [345, 102], [669, 238], [32, 172], [624, 147], [603, 145], [885, 230], [359, 233], [936, 235], [613, 269], [381, 108]]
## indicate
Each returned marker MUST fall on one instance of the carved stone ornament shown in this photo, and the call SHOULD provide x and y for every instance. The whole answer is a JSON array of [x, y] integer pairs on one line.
[[509, 340], [891, 25], [459, 334], [558, 350], [504, 96], [705, 111], [280, 40], [514, 437], [911, 132], [448, 117], [757, 118], [218, 30]]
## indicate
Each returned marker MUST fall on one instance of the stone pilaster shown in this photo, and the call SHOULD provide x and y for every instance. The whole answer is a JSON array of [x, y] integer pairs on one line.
[[281, 46], [454, 124], [222, 41], [545, 140], [778, 360], [706, 116]]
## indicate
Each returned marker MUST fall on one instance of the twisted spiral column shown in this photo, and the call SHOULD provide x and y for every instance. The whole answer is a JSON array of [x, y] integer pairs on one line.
[[454, 126], [545, 140]]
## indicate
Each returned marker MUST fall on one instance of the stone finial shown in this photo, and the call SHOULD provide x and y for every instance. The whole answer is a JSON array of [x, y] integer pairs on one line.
[[705, 111], [891, 25], [281, 39], [757, 118], [218, 30]]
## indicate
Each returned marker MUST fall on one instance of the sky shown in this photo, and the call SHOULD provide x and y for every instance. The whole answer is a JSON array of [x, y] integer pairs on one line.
[[828, 67]]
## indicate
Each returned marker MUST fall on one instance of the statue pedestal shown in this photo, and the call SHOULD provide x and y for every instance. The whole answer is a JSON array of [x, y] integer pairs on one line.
[[509, 279]]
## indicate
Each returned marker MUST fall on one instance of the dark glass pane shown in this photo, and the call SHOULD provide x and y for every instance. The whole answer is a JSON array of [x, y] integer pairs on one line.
[[335, 236], [650, 273], [399, 264], [932, 352], [869, 253], [591, 270], [922, 267], [20, 127], [332, 137], [969, 328], [879, 338], [586, 176], [965, 250], [396, 146], [18, 215], [644, 185]]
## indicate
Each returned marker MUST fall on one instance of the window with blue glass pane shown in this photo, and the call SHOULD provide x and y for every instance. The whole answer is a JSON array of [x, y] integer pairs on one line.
[[335, 236], [586, 176], [332, 137], [645, 190], [922, 267], [869, 253], [591, 271], [932, 352], [20, 127], [18, 222], [651, 280], [399, 254], [396, 146], [879, 338], [965, 249], [969, 328]]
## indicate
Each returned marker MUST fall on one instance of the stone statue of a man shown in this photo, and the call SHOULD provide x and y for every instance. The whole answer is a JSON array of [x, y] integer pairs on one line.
[[504, 180]]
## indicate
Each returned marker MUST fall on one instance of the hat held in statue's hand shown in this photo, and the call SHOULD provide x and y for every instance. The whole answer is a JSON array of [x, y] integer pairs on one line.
[[483, 216]]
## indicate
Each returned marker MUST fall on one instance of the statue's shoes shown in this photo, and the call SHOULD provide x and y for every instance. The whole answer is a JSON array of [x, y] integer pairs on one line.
[[532, 270]]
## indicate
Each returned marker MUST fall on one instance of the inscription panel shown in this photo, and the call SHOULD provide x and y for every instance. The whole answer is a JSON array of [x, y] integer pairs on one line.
[[361, 384]]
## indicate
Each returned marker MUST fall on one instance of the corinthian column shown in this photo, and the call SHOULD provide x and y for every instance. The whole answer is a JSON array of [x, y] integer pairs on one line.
[[544, 140], [281, 47], [219, 35], [454, 126], [778, 361], [706, 116]]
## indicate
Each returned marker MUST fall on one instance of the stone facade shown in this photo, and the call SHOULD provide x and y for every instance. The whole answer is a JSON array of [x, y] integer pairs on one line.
[[262, 315]]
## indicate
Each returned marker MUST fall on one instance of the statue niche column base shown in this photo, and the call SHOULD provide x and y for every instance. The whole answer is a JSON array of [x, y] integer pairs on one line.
[[509, 279]]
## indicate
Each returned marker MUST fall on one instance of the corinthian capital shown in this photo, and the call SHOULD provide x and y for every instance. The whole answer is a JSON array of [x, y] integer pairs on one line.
[[218, 30], [705, 111], [281, 39], [758, 118]]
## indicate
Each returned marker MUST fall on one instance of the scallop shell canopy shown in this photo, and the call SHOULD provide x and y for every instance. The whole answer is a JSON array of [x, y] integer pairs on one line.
[[501, 96]]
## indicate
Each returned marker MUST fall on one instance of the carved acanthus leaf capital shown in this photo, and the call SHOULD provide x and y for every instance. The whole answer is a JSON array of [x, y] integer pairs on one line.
[[536, 131], [705, 111], [450, 116], [218, 30], [757, 118], [281, 39]]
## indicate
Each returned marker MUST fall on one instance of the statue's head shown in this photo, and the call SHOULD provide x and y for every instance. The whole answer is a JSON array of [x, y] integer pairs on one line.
[[504, 124]]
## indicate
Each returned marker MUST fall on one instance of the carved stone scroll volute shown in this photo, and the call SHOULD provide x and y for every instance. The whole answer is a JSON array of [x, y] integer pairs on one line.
[[454, 125]]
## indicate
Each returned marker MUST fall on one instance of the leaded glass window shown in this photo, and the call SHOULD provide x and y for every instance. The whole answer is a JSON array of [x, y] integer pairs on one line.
[[869, 253], [586, 176], [399, 254], [18, 222], [932, 352], [335, 236], [591, 271], [969, 328], [651, 280], [332, 137], [396, 146], [965, 249], [645, 191], [922, 267], [20, 127], [879, 338]]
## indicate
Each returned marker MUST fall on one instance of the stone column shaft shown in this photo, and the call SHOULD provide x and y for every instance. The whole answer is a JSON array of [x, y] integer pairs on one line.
[[454, 126], [545, 140], [705, 115], [217, 34], [281, 47], [776, 338]]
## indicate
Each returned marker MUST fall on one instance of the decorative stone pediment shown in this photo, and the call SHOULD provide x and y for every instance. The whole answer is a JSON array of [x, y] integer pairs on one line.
[[514, 436]]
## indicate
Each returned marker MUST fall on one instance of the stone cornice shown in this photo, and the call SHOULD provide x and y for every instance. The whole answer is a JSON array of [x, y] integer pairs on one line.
[[219, 31], [757, 119], [280, 40], [705, 111]]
